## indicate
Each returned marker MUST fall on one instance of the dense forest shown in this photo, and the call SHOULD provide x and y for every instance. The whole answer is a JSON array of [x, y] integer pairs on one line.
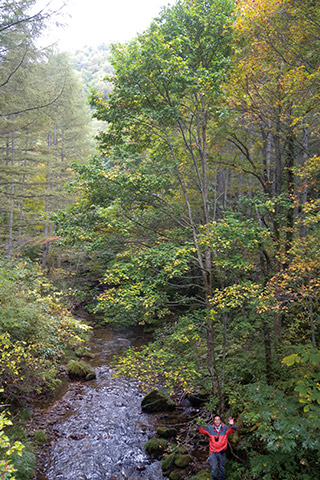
[[197, 217], [93, 64], [44, 125]]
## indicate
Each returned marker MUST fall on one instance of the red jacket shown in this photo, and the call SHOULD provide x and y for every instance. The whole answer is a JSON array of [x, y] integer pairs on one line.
[[218, 440]]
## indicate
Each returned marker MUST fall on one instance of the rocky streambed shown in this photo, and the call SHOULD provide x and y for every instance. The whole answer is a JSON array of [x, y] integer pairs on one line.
[[96, 430]]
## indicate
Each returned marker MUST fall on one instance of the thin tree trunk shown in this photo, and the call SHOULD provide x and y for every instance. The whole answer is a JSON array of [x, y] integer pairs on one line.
[[22, 191], [290, 191], [224, 354], [267, 352], [304, 193], [11, 210]]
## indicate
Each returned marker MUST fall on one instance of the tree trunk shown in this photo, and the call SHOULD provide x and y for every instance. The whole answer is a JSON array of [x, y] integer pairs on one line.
[[11, 201], [267, 352], [304, 193]]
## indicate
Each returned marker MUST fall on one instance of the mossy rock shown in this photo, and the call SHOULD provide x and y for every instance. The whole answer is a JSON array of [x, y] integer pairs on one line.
[[165, 432], [156, 401], [80, 370], [202, 475], [156, 446], [40, 437], [167, 463], [177, 475], [182, 461], [84, 352], [180, 450]]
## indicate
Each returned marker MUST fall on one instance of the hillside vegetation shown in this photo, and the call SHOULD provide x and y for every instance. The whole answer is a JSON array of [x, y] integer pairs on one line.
[[203, 206], [198, 216]]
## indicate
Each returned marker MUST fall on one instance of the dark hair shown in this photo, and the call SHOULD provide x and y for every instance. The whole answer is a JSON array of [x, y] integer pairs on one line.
[[217, 415]]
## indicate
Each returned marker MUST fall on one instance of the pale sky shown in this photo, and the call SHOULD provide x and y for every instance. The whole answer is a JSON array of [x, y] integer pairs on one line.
[[91, 22]]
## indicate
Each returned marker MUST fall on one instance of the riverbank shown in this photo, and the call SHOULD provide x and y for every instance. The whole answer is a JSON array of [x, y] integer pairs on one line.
[[96, 430]]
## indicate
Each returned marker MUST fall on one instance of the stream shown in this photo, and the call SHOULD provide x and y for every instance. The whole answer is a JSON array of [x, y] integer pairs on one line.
[[96, 429]]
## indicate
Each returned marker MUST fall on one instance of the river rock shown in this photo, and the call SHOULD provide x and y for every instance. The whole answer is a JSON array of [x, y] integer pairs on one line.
[[182, 461], [80, 370], [156, 446], [167, 463], [156, 401], [202, 475], [177, 475]]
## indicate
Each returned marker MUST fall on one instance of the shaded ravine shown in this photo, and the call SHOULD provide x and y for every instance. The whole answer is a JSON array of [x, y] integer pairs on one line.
[[97, 429]]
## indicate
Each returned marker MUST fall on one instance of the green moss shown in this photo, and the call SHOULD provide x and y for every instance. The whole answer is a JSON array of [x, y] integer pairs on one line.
[[80, 370], [202, 475], [180, 450], [156, 446], [25, 415], [156, 401], [177, 475], [40, 437], [182, 461], [84, 351], [168, 463]]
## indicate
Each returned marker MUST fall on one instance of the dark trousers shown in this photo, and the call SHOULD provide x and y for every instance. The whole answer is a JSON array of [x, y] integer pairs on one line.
[[217, 463]]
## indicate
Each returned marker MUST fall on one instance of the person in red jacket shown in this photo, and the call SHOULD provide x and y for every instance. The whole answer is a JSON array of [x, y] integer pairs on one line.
[[218, 441]]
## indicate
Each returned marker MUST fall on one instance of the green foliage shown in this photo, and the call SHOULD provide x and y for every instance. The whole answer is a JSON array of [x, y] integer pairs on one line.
[[25, 465], [93, 64], [304, 373], [283, 431], [235, 242], [146, 284], [7, 449], [35, 330], [174, 359], [40, 437], [44, 125], [236, 471], [25, 462], [203, 211]]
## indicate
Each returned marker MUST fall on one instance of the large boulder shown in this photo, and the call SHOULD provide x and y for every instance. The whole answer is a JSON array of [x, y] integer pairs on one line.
[[156, 446], [177, 475], [156, 401], [182, 461]]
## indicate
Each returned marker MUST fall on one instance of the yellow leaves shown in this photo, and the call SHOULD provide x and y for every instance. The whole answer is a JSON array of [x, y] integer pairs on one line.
[[14, 356], [233, 297], [268, 68]]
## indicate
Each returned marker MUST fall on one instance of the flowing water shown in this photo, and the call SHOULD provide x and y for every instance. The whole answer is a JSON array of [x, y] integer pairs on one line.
[[97, 428]]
